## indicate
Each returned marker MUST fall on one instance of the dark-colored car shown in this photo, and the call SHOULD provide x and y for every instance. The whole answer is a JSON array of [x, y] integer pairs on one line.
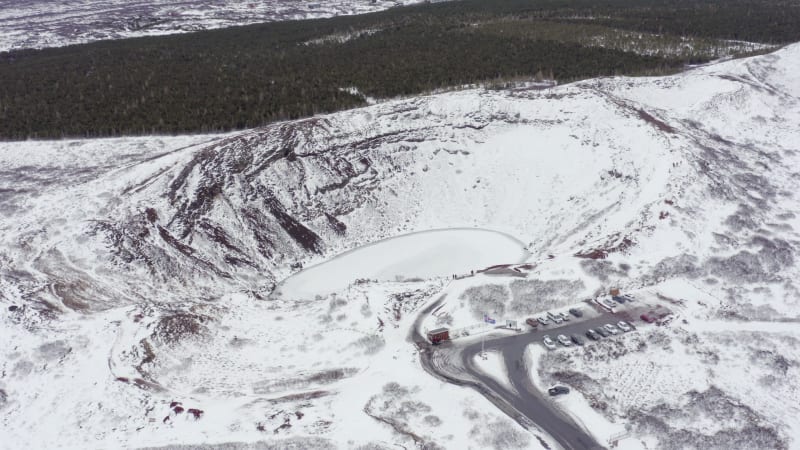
[[576, 312], [618, 299], [591, 334], [558, 390], [576, 339], [532, 322], [602, 332]]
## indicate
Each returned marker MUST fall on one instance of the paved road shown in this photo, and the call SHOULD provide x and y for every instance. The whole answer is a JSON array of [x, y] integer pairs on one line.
[[455, 363], [525, 397]]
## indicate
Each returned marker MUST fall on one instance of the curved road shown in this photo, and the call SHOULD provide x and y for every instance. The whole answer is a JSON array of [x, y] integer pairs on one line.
[[454, 363]]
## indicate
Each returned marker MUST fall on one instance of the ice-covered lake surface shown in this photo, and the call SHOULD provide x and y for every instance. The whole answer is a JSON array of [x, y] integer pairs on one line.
[[423, 254]]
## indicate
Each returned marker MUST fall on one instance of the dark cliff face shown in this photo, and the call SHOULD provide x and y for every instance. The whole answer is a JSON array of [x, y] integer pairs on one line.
[[236, 209], [242, 210]]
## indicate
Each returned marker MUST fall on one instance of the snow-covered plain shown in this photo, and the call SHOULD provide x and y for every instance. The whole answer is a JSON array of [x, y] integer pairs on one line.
[[136, 274], [45, 23]]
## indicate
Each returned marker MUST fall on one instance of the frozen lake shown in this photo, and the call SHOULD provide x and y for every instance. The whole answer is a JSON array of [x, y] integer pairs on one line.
[[424, 254]]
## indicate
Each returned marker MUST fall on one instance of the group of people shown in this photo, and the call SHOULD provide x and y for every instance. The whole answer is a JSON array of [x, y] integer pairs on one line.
[[471, 273]]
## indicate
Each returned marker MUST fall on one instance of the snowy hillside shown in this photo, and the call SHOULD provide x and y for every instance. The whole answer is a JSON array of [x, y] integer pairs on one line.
[[43, 23], [138, 275]]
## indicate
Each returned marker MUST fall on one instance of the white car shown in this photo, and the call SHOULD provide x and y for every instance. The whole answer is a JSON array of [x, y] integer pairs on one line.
[[564, 340], [556, 318], [611, 328], [542, 320], [548, 342], [624, 326], [564, 317], [608, 303]]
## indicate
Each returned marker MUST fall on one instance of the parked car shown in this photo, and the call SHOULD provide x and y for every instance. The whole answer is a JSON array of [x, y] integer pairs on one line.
[[564, 317], [564, 340], [628, 298], [649, 318], [611, 328], [576, 312], [557, 319], [549, 343], [576, 340], [602, 332], [624, 326], [532, 322], [558, 390], [591, 334], [618, 299], [607, 303], [542, 320]]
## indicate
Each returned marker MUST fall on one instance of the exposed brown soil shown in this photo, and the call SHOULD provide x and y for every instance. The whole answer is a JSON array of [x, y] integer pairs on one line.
[[603, 252], [647, 117]]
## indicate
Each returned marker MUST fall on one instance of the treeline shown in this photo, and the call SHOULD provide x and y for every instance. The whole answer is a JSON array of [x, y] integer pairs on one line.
[[247, 76], [764, 21]]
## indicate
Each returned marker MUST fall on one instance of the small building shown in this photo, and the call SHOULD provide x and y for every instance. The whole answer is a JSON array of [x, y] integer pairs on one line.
[[438, 335], [614, 292]]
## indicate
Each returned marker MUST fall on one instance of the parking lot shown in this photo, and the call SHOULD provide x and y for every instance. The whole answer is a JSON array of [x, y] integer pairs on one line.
[[607, 319], [585, 332], [454, 361]]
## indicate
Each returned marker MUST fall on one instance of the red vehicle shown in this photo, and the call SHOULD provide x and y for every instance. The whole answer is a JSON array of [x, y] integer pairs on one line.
[[654, 316], [532, 322], [438, 335]]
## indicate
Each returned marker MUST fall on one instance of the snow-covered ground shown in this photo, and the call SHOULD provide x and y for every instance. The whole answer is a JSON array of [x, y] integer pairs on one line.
[[45, 23], [136, 274], [247, 368], [491, 363], [575, 404]]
